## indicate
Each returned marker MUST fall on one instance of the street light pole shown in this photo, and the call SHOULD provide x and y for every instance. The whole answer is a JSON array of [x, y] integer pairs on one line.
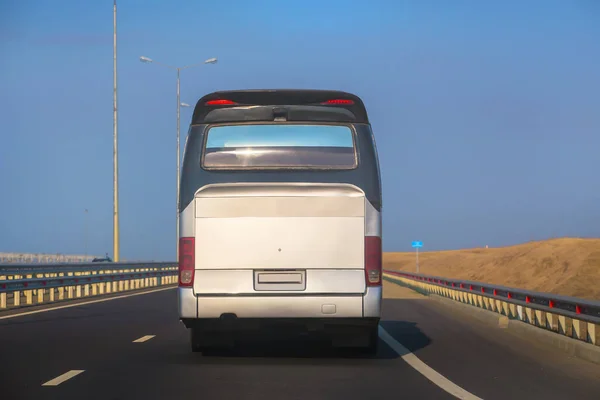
[[85, 233], [179, 104], [178, 168], [115, 147]]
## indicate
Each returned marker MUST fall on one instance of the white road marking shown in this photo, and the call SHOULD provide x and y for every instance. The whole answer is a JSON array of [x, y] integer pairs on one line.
[[64, 377], [425, 369], [84, 303], [143, 339]]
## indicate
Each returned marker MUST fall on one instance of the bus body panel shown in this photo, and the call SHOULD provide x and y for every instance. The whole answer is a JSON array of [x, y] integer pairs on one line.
[[244, 281]]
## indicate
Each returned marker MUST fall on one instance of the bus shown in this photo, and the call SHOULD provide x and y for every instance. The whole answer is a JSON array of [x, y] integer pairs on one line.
[[280, 219]]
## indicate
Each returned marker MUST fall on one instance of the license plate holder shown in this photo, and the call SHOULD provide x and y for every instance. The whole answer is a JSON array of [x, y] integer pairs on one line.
[[279, 280]]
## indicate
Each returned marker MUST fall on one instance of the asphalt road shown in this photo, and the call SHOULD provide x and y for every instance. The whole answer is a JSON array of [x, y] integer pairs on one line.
[[453, 352]]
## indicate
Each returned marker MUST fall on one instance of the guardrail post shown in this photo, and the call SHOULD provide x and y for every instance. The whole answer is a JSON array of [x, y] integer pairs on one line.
[[51, 293], [40, 294], [552, 321], [491, 304], [540, 318], [86, 290], [17, 298], [28, 297], [580, 328], [565, 325], [530, 315], [594, 333], [3, 295]]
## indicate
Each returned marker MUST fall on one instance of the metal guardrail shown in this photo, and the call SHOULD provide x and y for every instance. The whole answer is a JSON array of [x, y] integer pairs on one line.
[[78, 280], [19, 258], [570, 316]]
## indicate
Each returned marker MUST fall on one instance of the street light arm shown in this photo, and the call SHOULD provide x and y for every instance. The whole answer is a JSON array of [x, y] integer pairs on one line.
[[191, 66], [151, 61], [148, 60], [164, 65], [197, 64]]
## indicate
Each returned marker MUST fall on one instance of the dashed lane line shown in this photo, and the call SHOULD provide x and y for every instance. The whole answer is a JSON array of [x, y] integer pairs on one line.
[[64, 377], [144, 339]]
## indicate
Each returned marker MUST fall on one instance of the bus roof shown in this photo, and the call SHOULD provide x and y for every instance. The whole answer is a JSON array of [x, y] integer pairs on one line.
[[289, 104]]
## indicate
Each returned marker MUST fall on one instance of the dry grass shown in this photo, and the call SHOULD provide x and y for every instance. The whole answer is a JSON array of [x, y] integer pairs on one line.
[[569, 267]]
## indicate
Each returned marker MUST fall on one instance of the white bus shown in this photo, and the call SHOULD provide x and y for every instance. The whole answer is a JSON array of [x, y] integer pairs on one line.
[[280, 222]]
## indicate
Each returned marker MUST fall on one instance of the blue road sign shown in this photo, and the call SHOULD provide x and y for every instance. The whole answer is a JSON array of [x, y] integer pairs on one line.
[[417, 244]]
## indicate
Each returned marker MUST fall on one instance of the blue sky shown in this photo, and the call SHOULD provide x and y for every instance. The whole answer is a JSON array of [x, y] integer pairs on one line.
[[486, 113]]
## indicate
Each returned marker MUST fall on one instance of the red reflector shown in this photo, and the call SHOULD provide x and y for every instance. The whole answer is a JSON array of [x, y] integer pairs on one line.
[[187, 261], [339, 101], [373, 260], [220, 103], [551, 304], [577, 309]]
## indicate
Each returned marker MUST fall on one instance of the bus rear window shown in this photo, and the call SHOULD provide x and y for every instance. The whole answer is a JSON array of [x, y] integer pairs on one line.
[[279, 146]]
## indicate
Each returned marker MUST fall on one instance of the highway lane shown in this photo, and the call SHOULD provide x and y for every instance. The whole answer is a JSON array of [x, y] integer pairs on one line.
[[99, 339]]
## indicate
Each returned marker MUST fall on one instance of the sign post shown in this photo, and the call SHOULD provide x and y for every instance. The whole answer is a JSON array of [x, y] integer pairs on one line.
[[417, 246]]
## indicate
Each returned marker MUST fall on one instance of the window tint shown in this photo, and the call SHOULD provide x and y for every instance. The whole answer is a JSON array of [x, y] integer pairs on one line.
[[279, 146]]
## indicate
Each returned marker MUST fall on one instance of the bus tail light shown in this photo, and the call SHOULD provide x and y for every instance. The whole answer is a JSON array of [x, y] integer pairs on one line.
[[220, 103], [187, 261], [345, 102], [373, 263]]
